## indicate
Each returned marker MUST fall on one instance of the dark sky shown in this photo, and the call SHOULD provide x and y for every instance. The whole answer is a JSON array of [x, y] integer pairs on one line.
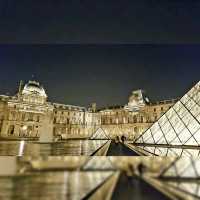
[[100, 50], [99, 21], [106, 74]]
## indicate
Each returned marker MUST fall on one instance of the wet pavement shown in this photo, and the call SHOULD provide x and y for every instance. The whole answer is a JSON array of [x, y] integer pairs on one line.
[[134, 188], [69, 147], [51, 185], [119, 149], [74, 185]]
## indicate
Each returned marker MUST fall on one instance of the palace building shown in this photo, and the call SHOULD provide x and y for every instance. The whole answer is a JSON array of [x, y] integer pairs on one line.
[[135, 117], [29, 115]]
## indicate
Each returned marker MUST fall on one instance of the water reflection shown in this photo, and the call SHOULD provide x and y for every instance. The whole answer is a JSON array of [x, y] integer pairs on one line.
[[76, 178], [70, 147], [57, 185]]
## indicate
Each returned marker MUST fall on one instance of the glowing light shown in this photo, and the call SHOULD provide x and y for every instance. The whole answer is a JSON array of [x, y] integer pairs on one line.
[[21, 148], [24, 128]]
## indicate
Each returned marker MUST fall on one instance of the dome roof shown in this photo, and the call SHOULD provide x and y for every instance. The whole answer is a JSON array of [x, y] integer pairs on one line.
[[33, 87]]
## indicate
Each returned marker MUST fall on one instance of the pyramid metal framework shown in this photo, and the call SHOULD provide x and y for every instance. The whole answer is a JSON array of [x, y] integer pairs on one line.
[[94, 163], [107, 178], [183, 167], [99, 134], [179, 126], [66, 185], [183, 174]]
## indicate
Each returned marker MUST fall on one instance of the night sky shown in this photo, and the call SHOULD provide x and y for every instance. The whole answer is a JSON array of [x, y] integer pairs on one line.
[[106, 74], [86, 51], [99, 21]]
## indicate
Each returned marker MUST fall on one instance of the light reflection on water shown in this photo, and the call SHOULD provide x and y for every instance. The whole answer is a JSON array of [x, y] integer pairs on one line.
[[51, 186], [70, 147]]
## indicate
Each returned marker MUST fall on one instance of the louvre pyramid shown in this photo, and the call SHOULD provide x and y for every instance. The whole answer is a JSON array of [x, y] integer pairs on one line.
[[183, 174], [72, 185], [183, 167], [99, 135], [94, 163], [180, 125]]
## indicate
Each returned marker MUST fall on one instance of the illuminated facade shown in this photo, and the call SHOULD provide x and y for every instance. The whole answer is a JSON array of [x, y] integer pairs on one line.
[[178, 127], [137, 116], [28, 114]]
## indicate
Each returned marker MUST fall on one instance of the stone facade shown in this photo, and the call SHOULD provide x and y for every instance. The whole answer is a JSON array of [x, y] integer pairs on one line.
[[24, 115], [29, 115], [73, 121], [136, 117]]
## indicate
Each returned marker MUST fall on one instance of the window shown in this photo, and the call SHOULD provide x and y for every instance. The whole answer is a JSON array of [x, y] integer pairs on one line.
[[38, 118], [154, 109], [141, 119], [135, 129], [135, 119], [161, 108], [54, 120], [30, 117], [11, 130], [23, 116]]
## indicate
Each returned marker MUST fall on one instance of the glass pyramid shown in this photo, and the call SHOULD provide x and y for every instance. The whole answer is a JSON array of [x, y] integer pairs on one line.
[[99, 135], [180, 125], [183, 174], [94, 163]]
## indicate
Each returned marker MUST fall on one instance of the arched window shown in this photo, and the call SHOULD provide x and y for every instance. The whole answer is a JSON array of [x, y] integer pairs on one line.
[[135, 129], [29, 131], [30, 118], [54, 120], [38, 118], [23, 116], [11, 130], [135, 119], [141, 119]]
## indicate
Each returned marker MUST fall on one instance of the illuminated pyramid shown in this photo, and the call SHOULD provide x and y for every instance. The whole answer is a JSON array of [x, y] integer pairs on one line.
[[99, 135], [179, 126], [183, 175]]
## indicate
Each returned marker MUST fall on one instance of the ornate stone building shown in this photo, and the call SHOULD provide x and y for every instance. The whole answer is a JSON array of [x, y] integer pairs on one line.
[[74, 121], [136, 117], [28, 114]]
